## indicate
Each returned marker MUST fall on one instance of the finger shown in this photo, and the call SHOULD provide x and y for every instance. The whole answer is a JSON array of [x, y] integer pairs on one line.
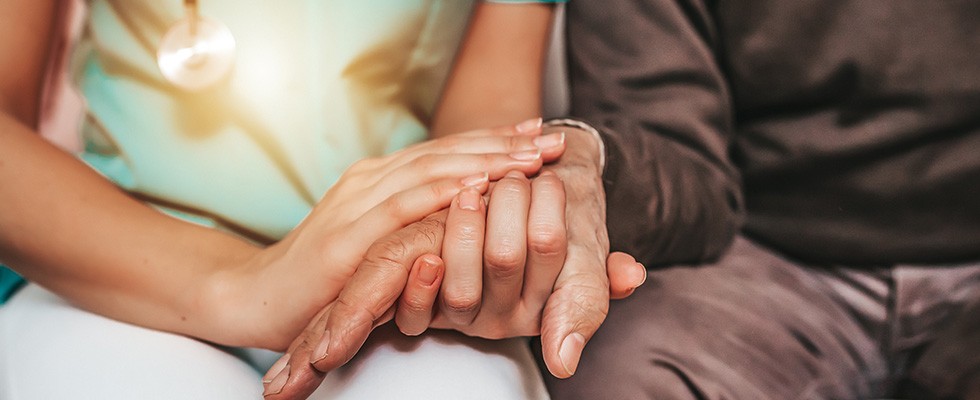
[[430, 167], [551, 146], [505, 251], [292, 376], [625, 275], [372, 291], [547, 241], [502, 139], [415, 306], [574, 311], [529, 127], [462, 250], [409, 206]]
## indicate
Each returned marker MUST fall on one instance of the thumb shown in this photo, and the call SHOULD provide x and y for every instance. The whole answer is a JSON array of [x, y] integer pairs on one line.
[[625, 275], [574, 312]]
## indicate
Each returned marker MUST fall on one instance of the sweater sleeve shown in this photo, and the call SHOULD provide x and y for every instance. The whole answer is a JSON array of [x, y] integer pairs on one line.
[[644, 72]]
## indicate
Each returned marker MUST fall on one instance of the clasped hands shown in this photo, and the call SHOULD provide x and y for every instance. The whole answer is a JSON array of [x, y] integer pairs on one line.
[[530, 260]]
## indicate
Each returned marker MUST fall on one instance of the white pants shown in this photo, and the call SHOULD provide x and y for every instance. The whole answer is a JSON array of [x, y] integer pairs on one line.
[[51, 350]]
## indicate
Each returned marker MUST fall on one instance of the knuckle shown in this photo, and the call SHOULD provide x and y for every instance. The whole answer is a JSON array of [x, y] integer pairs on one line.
[[361, 165], [452, 143], [387, 254], [489, 160], [429, 229], [513, 183], [517, 143], [416, 304], [505, 261], [395, 206], [551, 183], [355, 314], [547, 240], [421, 163], [462, 301], [467, 235], [588, 301], [508, 130], [440, 190]]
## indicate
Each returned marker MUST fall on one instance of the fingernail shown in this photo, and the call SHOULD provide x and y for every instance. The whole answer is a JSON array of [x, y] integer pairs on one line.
[[469, 199], [476, 180], [276, 368], [570, 351], [529, 125], [428, 272], [527, 155], [550, 140], [277, 383], [642, 281], [320, 352]]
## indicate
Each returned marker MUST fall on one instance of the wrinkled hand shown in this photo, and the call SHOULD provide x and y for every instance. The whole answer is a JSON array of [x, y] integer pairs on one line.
[[580, 301], [373, 198], [338, 331], [502, 260], [539, 253]]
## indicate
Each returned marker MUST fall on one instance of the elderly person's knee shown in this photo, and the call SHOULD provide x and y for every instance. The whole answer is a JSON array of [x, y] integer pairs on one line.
[[654, 378]]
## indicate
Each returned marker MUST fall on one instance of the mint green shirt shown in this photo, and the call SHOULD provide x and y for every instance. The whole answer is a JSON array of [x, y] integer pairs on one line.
[[316, 86]]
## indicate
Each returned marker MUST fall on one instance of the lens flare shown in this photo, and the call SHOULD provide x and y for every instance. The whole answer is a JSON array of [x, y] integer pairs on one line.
[[195, 59]]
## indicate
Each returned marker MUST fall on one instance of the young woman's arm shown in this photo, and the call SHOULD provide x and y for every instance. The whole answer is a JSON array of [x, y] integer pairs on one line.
[[497, 78], [67, 228]]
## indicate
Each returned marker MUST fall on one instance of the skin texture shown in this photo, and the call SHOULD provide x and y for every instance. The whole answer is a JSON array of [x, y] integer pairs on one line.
[[97, 247], [374, 295], [83, 238], [505, 67], [565, 307]]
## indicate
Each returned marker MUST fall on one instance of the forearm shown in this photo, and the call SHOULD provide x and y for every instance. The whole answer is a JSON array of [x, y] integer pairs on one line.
[[667, 204], [70, 230], [661, 102], [497, 77]]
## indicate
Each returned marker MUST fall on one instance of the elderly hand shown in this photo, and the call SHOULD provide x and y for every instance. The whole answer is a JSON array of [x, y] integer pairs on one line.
[[536, 277], [580, 299], [373, 198], [502, 261], [383, 278], [340, 328]]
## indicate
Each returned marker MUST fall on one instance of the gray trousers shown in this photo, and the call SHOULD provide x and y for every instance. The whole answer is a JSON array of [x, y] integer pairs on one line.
[[756, 326]]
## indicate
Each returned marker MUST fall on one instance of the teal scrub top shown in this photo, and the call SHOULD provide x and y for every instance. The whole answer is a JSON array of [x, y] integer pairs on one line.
[[316, 86]]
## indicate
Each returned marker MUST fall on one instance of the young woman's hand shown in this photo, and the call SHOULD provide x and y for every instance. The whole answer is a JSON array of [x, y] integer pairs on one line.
[[275, 294]]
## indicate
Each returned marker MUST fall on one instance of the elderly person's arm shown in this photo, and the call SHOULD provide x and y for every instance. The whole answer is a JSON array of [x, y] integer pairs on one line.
[[653, 88]]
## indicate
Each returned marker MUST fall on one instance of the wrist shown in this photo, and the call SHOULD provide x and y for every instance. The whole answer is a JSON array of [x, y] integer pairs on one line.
[[223, 295], [584, 141]]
